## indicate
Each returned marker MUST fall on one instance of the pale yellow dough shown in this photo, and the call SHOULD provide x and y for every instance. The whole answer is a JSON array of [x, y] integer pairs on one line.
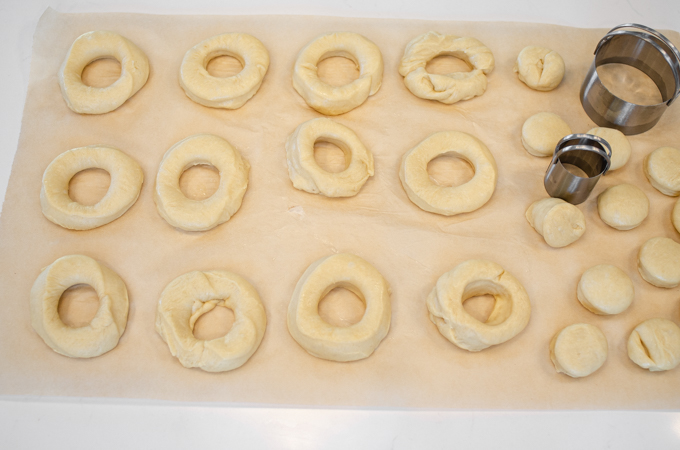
[[227, 92], [193, 294], [605, 289], [334, 100], [541, 133], [560, 223], [134, 71], [578, 350], [508, 318], [306, 174], [619, 144], [659, 262], [623, 206], [655, 345], [539, 68], [662, 168], [103, 332], [451, 87], [325, 341], [449, 200], [675, 216]]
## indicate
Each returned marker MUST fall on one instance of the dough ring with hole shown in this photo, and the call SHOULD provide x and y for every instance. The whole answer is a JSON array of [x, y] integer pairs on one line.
[[659, 262], [508, 318], [623, 206], [334, 100], [541, 133], [193, 294], [228, 92], [126, 182], [451, 87], [655, 345], [560, 223], [578, 350], [325, 341], [104, 331], [539, 68], [449, 200], [134, 71], [605, 289], [306, 174], [619, 143], [662, 167], [200, 215]]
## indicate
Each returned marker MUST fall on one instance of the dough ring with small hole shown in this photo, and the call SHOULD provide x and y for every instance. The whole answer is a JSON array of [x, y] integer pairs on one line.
[[126, 182], [323, 340], [662, 167], [193, 294], [578, 350], [134, 71], [104, 331], [508, 318], [451, 87], [659, 262], [200, 215], [655, 345], [227, 92], [306, 174], [334, 100], [560, 223], [539, 68], [449, 200]]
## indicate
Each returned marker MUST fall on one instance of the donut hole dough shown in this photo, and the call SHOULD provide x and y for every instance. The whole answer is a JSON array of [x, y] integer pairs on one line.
[[200, 181], [539, 68], [193, 294], [224, 92], [605, 289], [662, 167], [101, 73], [619, 144], [560, 223], [541, 133], [623, 206], [655, 345], [89, 186], [126, 183], [659, 262], [200, 215], [104, 330], [348, 343], [78, 305], [334, 100], [675, 216], [578, 350], [451, 87], [449, 200], [96, 45], [305, 172]]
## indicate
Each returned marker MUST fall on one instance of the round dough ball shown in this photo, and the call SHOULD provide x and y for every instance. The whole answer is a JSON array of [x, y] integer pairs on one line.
[[655, 345], [659, 262], [560, 223], [578, 350], [541, 133], [539, 68], [605, 289], [675, 217], [623, 206], [618, 142], [662, 167]]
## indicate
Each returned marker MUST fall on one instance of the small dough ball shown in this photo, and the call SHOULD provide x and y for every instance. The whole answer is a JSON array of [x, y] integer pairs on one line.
[[675, 217], [619, 144], [539, 68], [655, 345], [560, 223], [541, 133], [659, 262], [623, 207], [605, 289], [662, 168], [578, 350]]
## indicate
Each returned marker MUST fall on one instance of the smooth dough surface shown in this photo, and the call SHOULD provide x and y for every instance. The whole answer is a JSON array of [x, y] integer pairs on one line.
[[578, 350], [539, 68], [659, 262], [560, 223], [541, 133], [655, 345], [623, 206], [619, 144], [662, 168], [605, 289], [675, 216]]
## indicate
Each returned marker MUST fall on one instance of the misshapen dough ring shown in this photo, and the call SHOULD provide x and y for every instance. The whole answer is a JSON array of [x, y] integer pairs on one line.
[[134, 71], [560, 223], [306, 174], [200, 215], [662, 167], [508, 318], [227, 92], [605, 289], [104, 331], [449, 200], [126, 182], [655, 345], [623, 206], [659, 262], [541, 133], [334, 100], [578, 350], [619, 143], [451, 87], [193, 294], [539, 68], [325, 341]]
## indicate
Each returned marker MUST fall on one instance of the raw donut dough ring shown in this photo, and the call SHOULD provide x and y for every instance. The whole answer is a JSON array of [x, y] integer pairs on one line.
[[539, 68], [655, 345], [560, 223], [228, 92], [449, 200], [619, 144], [306, 174], [103, 332], [605, 289], [325, 341], [578, 350], [661, 168], [193, 294], [334, 100], [659, 262], [541, 133], [126, 183], [134, 71], [451, 87], [200, 215], [623, 206], [508, 318]]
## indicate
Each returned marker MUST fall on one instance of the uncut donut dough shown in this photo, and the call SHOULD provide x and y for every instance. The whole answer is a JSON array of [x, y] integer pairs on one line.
[[655, 345], [605, 289], [541, 133], [560, 223], [659, 262], [619, 144], [539, 68], [662, 168], [623, 206], [578, 350]]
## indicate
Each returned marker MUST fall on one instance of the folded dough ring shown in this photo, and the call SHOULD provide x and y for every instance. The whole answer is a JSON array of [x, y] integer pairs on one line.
[[134, 71], [104, 331], [332, 100], [449, 200], [228, 92], [306, 174], [200, 215], [325, 341], [451, 87], [508, 318], [193, 294], [126, 182], [539, 68]]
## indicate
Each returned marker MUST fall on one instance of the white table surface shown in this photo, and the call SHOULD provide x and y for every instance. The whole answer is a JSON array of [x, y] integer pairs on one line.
[[76, 423]]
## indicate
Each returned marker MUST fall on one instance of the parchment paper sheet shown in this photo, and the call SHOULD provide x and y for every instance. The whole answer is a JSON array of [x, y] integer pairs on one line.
[[279, 231]]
